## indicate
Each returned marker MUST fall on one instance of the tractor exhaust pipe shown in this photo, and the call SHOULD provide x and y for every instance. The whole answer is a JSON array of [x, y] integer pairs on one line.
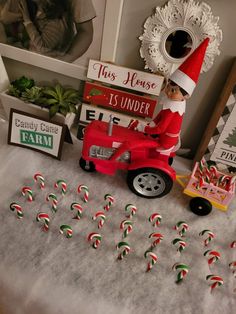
[[110, 126]]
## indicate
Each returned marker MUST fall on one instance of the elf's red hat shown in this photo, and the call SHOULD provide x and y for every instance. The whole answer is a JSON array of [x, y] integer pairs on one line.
[[186, 76]]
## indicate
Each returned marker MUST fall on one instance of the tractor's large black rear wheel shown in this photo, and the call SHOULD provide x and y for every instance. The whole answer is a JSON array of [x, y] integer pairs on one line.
[[149, 182]]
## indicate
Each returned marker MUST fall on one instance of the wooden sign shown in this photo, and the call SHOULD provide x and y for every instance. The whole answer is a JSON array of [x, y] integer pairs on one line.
[[29, 131], [225, 148], [124, 77], [89, 113], [119, 100]]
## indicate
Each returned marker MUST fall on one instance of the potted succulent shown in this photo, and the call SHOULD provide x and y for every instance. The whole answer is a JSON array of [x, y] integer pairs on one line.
[[58, 103]]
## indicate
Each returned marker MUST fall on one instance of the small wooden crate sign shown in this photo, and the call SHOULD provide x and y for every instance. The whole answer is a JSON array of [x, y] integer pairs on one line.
[[115, 99], [125, 77]]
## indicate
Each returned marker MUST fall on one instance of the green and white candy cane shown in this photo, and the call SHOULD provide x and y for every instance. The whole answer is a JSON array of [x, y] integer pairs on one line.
[[124, 249], [15, 206], [155, 219], [101, 217], [181, 227], [67, 230], [53, 199], [45, 219], [95, 238], [183, 271], [152, 259], [78, 208], [62, 185], [110, 200], [27, 191], [210, 236], [131, 210], [181, 244], [126, 226]]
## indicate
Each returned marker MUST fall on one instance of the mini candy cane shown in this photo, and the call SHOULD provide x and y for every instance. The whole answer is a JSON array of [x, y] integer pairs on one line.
[[45, 219], [233, 244], [67, 230], [40, 179], [131, 209], [214, 256], [62, 184], [27, 191], [153, 259], [125, 249], [217, 281], [101, 218], [84, 188], [110, 200], [183, 270], [95, 238], [209, 238], [79, 209], [158, 238], [155, 219], [53, 198], [232, 266], [181, 244], [127, 226], [17, 207], [182, 227]]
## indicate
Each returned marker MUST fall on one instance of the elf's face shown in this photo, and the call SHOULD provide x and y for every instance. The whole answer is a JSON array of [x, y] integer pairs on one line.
[[173, 92]]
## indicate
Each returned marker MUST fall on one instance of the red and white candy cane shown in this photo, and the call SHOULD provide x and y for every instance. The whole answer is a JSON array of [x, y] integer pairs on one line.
[[233, 244], [95, 238], [51, 197], [27, 191], [158, 238], [209, 238], [213, 256], [130, 210], [153, 259], [62, 185], [67, 230], [85, 189], [43, 217], [110, 200], [126, 226], [183, 271], [78, 208], [155, 219], [216, 281], [18, 208], [181, 227], [39, 179], [124, 249], [101, 217], [181, 244]]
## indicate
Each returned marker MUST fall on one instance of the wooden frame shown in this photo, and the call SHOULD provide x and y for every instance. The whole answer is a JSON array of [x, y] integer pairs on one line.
[[219, 109], [111, 25], [24, 133]]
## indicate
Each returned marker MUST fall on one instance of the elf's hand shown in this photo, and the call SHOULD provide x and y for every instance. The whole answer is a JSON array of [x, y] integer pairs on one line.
[[140, 127]]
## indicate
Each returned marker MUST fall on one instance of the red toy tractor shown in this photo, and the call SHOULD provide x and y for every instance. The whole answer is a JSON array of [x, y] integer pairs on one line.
[[109, 147]]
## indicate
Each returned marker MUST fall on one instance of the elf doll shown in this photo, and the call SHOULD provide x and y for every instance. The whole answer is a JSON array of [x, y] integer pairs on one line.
[[167, 124]]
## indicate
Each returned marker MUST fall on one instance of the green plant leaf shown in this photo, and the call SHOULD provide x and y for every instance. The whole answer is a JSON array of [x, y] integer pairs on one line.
[[53, 110]]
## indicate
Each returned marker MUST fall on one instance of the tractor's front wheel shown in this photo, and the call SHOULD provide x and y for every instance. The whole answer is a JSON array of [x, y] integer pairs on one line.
[[149, 182], [87, 165]]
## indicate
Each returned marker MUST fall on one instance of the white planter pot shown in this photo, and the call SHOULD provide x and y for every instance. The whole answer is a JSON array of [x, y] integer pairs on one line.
[[9, 102]]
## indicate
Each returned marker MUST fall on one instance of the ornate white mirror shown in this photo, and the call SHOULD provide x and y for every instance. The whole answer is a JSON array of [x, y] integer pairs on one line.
[[174, 31]]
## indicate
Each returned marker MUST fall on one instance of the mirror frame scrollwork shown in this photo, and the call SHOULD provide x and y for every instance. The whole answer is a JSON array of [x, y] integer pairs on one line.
[[192, 17]]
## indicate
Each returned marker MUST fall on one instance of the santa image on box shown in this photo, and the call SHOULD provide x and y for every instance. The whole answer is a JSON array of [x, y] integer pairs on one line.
[[167, 124]]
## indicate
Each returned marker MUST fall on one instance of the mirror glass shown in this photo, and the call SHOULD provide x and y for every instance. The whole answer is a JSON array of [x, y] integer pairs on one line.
[[178, 44]]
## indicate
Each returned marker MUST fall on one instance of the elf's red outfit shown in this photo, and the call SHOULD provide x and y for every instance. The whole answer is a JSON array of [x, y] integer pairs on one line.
[[167, 124]]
